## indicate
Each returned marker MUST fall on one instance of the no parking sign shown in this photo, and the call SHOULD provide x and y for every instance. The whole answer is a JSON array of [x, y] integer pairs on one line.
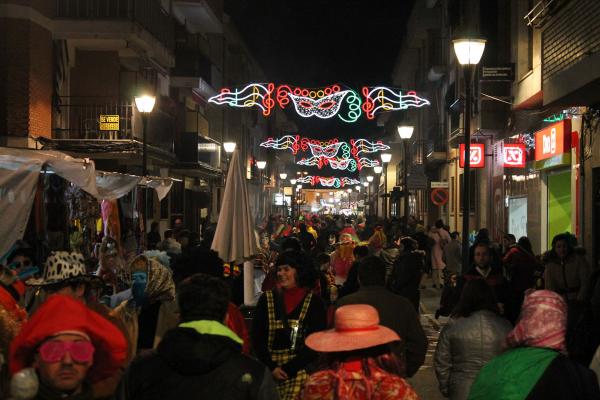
[[439, 196]]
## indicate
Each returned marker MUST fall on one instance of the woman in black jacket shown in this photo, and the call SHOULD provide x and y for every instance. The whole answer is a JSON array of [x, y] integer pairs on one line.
[[284, 317], [407, 271]]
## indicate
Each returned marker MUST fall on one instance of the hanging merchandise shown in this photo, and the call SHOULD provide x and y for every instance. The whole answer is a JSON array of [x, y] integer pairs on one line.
[[324, 103], [110, 217]]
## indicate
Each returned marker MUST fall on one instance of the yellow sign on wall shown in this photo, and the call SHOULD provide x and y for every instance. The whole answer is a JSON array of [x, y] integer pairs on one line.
[[109, 122]]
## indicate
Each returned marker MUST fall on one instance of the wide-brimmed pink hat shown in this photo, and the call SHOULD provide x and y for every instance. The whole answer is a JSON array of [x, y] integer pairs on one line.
[[356, 327]]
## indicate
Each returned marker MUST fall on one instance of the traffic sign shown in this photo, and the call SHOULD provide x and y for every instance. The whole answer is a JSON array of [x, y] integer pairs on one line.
[[436, 185], [439, 196]]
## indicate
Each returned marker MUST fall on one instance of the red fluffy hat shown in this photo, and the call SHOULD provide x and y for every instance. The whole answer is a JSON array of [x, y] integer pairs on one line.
[[62, 313]]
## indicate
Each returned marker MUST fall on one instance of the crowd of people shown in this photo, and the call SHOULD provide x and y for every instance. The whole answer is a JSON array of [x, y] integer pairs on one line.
[[336, 317]]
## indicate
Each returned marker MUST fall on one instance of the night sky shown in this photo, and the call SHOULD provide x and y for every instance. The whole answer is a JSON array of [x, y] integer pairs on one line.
[[319, 43]]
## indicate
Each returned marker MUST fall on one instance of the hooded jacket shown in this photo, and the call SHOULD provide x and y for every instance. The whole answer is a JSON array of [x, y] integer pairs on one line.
[[191, 365]]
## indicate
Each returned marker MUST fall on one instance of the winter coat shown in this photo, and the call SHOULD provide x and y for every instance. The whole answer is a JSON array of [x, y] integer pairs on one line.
[[453, 256], [441, 238], [569, 277], [191, 365], [398, 314], [406, 276], [465, 345], [494, 279], [532, 373]]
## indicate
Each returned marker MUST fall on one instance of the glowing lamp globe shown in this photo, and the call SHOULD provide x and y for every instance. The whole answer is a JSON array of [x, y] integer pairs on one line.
[[261, 164], [378, 169], [365, 184], [405, 131], [283, 176], [293, 181], [370, 178], [145, 103], [469, 50], [386, 157], [229, 147]]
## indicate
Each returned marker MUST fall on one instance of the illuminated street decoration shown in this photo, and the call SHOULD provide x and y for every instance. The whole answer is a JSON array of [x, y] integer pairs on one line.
[[364, 146], [381, 98], [331, 181], [337, 154], [254, 94], [322, 103]]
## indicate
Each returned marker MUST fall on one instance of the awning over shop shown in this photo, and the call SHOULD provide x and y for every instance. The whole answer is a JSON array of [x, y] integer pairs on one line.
[[20, 170]]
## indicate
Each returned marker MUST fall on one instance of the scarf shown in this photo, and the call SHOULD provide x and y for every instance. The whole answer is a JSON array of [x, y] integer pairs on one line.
[[542, 323]]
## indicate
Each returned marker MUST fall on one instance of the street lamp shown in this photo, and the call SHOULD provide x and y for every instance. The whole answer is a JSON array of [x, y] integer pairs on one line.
[[405, 132], [261, 164], [283, 176], [229, 147], [377, 169], [293, 181], [369, 178], [468, 51], [145, 104], [385, 159]]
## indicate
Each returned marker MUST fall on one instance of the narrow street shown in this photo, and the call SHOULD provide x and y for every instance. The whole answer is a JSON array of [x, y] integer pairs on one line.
[[425, 382]]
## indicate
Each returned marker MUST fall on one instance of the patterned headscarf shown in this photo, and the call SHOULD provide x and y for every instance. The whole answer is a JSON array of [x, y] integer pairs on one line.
[[161, 286], [543, 322]]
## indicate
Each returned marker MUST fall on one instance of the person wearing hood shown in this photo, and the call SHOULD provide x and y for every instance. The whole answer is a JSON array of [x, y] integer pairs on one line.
[[536, 365], [62, 350], [201, 358]]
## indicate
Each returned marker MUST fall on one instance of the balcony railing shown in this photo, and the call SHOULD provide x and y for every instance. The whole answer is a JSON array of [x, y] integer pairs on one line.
[[90, 118], [149, 14]]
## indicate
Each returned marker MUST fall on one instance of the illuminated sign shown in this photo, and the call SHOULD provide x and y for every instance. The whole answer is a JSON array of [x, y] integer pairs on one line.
[[514, 155], [477, 159], [553, 145], [381, 98], [109, 122]]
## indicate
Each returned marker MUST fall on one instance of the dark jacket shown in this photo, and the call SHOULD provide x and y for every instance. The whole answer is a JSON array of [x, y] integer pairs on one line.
[[495, 279], [398, 314], [315, 320], [190, 365], [406, 276]]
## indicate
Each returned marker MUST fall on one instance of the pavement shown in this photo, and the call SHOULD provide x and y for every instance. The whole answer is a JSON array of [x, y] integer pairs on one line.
[[424, 381]]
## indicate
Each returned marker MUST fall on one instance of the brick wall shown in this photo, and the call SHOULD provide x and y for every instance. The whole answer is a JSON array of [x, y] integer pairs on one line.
[[26, 80], [573, 34]]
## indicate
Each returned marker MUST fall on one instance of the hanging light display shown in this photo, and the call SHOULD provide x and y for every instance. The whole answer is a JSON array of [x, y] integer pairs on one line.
[[253, 95], [381, 98], [324, 103], [339, 155], [330, 181]]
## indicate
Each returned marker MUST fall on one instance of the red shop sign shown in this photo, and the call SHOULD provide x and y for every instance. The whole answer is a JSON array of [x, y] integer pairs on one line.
[[477, 159], [553, 140], [514, 155]]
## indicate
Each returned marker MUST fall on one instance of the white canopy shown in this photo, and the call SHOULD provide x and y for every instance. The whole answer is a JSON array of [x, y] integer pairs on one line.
[[19, 173]]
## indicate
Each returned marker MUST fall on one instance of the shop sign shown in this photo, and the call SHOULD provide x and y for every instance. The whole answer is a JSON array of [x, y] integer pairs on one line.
[[514, 155], [477, 159], [498, 73], [553, 145], [439, 185], [109, 122]]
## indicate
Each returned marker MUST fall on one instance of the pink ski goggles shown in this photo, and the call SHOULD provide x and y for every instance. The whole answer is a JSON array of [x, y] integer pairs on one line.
[[55, 350]]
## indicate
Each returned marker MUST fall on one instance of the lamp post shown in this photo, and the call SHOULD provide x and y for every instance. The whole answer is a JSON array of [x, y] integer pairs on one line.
[[261, 166], [405, 132], [144, 105], [377, 170], [385, 159], [293, 182], [468, 51], [369, 180]]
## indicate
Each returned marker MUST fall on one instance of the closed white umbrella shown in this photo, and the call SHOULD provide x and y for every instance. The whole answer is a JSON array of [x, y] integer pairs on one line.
[[234, 239]]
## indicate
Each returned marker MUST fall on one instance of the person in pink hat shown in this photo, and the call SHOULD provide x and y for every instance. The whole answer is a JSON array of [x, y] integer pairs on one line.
[[358, 363]]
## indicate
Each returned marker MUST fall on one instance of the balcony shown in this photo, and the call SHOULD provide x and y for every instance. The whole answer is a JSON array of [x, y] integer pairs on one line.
[[436, 151], [118, 20], [106, 125]]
